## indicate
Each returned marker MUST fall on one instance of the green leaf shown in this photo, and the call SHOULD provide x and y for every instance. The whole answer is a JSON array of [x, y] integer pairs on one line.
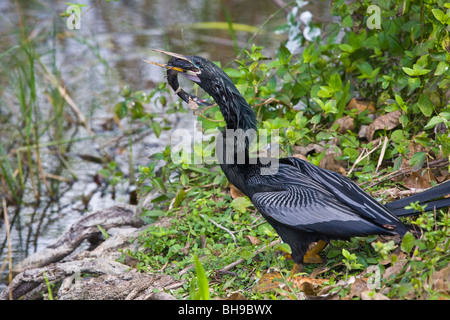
[[241, 204], [159, 184], [425, 105], [233, 73], [103, 231], [184, 179], [120, 109], [399, 100], [442, 117], [156, 127], [181, 194], [417, 160], [202, 281], [335, 82], [346, 47], [440, 16], [441, 68], [283, 247], [407, 242], [416, 71], [346, 254], [325, 92], [413, 83]]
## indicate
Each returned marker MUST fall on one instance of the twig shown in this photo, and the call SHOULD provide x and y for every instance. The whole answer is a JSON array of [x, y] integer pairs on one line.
[[383, 150], [219, 226], [400, 172], [361, 157]]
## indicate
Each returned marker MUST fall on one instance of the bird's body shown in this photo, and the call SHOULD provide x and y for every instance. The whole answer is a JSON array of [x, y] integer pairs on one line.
[[303, 203], [302, 209]]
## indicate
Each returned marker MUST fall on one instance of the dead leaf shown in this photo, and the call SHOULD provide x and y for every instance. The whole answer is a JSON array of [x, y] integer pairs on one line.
[[268, 282], [386, 122], [440, 280], [253, 240], [417, 181], [272, 281], [236, 296], [300, 156], [329, 161], [235, 192], [357, 287], [345, 124], [309, 286], [310, 148], [361, 105], [397, 267], [363, 131]]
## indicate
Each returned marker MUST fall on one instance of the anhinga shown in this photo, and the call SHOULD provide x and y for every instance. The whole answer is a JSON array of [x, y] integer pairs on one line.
[[303, 203]]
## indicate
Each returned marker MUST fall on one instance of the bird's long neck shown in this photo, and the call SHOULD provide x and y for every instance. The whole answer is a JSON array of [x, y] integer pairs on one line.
[[240, 131], [235, 109]]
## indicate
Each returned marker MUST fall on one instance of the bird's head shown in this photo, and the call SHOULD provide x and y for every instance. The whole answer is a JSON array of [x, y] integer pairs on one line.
[[195, 68], [212, 79]]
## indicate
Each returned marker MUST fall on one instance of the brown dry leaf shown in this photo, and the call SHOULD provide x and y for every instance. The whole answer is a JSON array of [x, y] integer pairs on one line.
[[397, 267], [268, 282], [300, 156], [236, 296], [312, 255], [309, 286], [440, 280], [345, 123], [386, 122], [357, 287], [418, 181], [271, 281], [301, 151], [235, 192], [329, 162], [253, 240], [361, 105]]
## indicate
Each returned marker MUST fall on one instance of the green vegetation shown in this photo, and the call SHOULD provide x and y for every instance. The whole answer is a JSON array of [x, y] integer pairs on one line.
[[402, 70], [370, 103]]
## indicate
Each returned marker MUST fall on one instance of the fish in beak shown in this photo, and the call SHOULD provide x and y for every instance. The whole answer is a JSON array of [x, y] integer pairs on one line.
[[184, 65]]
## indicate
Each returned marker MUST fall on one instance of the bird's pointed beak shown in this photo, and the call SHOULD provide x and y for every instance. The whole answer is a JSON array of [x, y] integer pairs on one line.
[[165, 66], [172, 54]]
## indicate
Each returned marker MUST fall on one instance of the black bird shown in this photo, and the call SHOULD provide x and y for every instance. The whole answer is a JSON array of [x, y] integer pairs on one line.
[[303, 203]]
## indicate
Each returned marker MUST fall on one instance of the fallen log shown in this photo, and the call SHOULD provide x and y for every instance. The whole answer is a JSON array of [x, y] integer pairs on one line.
[[85, 228], [93, 274]]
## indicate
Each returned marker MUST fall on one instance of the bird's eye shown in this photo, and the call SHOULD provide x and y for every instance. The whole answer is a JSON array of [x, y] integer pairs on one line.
[[196, 62]]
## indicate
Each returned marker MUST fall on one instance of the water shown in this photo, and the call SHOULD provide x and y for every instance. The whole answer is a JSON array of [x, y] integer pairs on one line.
[[95, 62]]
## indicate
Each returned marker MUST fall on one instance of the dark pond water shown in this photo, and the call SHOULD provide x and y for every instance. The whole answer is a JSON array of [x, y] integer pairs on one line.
[[94, 63]]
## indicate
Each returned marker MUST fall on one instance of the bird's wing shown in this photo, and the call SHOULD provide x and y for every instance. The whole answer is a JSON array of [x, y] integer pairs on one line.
[[347, 192], [311, 209]]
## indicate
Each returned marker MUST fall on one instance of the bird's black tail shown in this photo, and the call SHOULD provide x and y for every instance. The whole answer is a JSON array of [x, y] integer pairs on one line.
[[427, 197]]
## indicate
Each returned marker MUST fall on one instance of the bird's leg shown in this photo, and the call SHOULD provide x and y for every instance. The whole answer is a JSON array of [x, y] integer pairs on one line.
[[312, 255]]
